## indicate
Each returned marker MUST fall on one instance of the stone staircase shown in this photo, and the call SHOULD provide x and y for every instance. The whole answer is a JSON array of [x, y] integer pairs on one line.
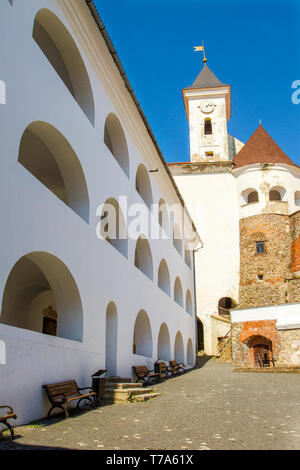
[[122, 390]]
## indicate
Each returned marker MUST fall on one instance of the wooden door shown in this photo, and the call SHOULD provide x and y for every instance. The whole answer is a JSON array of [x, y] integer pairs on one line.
[[261, 355]]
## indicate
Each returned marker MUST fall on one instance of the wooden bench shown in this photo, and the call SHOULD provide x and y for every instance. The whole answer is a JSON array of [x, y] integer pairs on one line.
[[4, 419], [61, 394], [176, 368], [145, 375], [162, 369]]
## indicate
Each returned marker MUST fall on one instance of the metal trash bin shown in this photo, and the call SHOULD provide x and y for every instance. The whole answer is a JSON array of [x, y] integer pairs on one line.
[[98, 384]]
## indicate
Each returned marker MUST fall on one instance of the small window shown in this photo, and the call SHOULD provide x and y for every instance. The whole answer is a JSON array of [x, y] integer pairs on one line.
[[260, 248], [275, 195], [253, 197], [207, 127], [209, 154]]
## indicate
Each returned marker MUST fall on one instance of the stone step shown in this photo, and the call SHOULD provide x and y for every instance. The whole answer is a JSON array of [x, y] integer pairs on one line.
[[146, 396], [118, 379], [113, 395], [116, 385]]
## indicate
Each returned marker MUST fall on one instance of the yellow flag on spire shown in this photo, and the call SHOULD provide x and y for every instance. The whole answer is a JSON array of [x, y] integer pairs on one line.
[[201, 48]]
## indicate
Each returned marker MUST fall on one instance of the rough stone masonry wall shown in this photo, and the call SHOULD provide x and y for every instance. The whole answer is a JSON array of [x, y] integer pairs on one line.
[[274, 265], [243, 333], [293, 280], [289, 348]]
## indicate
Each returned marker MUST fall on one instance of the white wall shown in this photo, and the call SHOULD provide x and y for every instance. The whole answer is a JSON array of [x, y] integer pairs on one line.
[[213, 203], [287, 315], [263, 180], [34, 219]]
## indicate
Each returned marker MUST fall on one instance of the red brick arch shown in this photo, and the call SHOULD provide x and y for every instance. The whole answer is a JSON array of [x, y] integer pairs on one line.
[[253, 332]]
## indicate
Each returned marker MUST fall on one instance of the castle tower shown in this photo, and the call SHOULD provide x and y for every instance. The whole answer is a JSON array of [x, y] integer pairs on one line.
[[268, 184], [209, 190], [208, 108]]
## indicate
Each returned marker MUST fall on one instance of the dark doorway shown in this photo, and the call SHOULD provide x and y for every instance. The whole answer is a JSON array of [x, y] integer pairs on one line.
[[200, 335]]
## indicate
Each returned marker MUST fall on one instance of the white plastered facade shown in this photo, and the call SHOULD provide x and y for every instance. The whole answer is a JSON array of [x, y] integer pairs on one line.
[[35, 221]]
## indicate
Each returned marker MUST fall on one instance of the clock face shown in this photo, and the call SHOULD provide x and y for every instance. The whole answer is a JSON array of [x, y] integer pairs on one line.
[[207, 106]]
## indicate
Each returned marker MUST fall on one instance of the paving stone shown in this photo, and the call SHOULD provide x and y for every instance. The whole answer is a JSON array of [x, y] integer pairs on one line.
[[196, 419]]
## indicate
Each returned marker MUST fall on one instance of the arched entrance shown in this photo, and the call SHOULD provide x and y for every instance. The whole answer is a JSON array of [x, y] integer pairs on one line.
[[225, 304], [111, 340], [261, 351]]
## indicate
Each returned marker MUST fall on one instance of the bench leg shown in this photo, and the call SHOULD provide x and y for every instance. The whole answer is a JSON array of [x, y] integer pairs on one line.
[[89, 400], [64, 409], [10, 428]]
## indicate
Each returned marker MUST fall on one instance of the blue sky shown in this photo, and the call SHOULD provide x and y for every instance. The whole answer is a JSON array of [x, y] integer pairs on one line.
[[252, 45]]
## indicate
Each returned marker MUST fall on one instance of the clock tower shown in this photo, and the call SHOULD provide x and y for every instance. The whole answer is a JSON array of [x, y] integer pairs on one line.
[[208, 107]]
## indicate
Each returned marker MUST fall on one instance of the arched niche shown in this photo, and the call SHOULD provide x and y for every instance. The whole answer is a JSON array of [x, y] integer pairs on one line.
[[143, 257], [48, 156], [177, 239], [178, 293], [249, 196], [164, 345], [164, 277], [59, 47], [39, 287], [163, 216], [188, 254], [111, 337], [225, 304], [178, 348], [142, 337], [113, 226], [189, 302], [277, 193], [115, 140], [143, 185], [190, 353]]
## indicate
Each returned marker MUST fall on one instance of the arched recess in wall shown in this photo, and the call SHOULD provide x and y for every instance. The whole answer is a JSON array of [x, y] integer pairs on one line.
[[164, 277], [111, 343], [142, 337], [178, 293], [48, 156], [277, 193], [177, 240], [163, 216], [164, 344], [143, 185], [59, 47], [207, 126], [249, 196], [115, 140], [41, 295], [188, 254], [225, 304], [178, 348], [113, 226], [297, 198], [189, 302], [143, 257], [190, 353]]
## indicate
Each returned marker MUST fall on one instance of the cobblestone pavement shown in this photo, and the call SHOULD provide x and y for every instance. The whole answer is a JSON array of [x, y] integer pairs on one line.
[[210, 407]]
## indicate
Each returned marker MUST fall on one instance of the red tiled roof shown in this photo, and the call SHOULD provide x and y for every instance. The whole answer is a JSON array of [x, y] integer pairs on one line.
[[261, 148]]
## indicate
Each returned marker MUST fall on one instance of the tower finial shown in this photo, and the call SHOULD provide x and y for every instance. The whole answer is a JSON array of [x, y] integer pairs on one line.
[[201, 48]]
